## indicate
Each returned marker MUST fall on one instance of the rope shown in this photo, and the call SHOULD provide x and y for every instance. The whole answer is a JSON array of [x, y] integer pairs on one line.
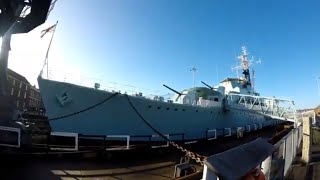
[[145, 121], [84, 110], [198, 158]]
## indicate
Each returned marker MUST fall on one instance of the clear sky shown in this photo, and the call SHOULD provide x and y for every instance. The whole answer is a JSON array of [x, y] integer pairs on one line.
[[148, 43]]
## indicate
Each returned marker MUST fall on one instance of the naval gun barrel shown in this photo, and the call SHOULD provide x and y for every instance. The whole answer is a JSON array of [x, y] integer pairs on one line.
[[177, 92], [207, 85]]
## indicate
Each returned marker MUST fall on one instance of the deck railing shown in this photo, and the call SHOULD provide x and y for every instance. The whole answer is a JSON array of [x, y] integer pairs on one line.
[[278, 108], [107, 85], [277, 165]]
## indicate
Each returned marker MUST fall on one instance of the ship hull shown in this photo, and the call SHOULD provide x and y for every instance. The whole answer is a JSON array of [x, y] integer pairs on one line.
[[116, 116]]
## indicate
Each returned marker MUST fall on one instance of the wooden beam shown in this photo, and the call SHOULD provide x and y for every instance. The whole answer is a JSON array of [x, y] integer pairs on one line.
[[306, 140]]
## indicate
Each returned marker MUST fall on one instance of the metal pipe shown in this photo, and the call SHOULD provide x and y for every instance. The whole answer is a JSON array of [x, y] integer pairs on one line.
[[4, 55], [193, 75], [207, 85], [172, 90]]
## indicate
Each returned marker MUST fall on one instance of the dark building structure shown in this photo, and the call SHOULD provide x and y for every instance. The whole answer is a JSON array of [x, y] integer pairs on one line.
[[34, 98], [23, 94]]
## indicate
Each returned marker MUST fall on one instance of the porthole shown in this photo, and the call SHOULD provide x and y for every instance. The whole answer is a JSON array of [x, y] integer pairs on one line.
[[197, 110], [176, 109], [149, 106], [159, 107], [210, 112], [168, 108], [183, 110]]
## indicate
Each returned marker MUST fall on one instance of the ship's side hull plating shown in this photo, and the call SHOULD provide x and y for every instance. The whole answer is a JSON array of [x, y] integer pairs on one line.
[[117, 117]]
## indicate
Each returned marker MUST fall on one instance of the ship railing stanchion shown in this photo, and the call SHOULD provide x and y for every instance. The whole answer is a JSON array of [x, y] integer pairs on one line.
[[227, 130], [190, 142], [177, 134], [66, 134], [211, 131], [240, 132], [12, 129], [248, 128], [158, 146], [104, 146], [127, 137]]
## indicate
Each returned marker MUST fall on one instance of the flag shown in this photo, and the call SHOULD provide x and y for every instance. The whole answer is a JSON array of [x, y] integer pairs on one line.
[[49, 29]]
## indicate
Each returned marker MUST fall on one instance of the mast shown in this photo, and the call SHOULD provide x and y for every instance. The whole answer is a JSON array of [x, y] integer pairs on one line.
[[252, 77], [193, 75], [245, 65], [46, 60]]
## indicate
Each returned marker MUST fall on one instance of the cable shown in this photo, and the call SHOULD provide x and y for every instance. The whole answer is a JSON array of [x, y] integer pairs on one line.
[[84, 110], [195, 156], [145, 121]]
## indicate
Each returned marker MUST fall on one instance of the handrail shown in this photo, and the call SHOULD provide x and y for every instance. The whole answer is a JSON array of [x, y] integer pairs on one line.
[[12, 129], [274, 107]]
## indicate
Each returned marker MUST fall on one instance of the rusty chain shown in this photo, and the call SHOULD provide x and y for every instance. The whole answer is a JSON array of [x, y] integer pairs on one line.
[[197, 157]]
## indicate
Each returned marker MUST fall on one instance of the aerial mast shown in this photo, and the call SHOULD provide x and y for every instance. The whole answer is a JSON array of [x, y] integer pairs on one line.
[[193, 75], [245, 64], [252, 78]]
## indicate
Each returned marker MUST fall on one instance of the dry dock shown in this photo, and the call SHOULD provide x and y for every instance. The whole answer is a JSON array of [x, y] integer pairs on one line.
[[157, 164]]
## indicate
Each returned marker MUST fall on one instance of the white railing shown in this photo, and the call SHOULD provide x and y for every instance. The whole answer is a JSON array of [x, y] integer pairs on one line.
[[212, 131], [66, 134], [278, 108], [107, 85], [157, 137], [117, 137], [278, 164], [14, 130]]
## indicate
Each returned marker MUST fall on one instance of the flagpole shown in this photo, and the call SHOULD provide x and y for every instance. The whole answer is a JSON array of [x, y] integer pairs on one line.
[[47, 59]]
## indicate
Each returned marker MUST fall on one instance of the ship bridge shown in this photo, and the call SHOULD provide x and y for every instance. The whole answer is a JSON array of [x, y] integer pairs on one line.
[[198, 94], [237, 85]]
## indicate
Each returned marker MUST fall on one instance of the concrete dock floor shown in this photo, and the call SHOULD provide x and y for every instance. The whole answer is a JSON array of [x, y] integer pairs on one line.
[[158, 164]]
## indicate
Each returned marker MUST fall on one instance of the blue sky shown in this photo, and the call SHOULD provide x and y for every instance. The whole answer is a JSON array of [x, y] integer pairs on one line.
[[147, 43]]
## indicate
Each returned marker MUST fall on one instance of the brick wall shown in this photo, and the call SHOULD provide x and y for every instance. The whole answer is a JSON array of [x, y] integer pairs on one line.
[[24, 95]]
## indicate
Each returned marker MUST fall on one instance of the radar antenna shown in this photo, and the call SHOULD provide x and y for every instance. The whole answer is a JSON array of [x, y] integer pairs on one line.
[[245, 65]]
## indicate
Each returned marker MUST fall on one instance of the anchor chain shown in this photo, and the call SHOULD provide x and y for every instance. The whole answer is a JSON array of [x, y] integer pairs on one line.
[[197, 157]]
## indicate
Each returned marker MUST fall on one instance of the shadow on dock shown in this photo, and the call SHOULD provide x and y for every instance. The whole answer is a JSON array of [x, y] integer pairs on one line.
[[143, 164], [309, 171]]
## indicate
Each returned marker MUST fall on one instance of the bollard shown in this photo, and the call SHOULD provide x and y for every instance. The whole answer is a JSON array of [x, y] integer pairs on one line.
[[306, 140], [240, 131]]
